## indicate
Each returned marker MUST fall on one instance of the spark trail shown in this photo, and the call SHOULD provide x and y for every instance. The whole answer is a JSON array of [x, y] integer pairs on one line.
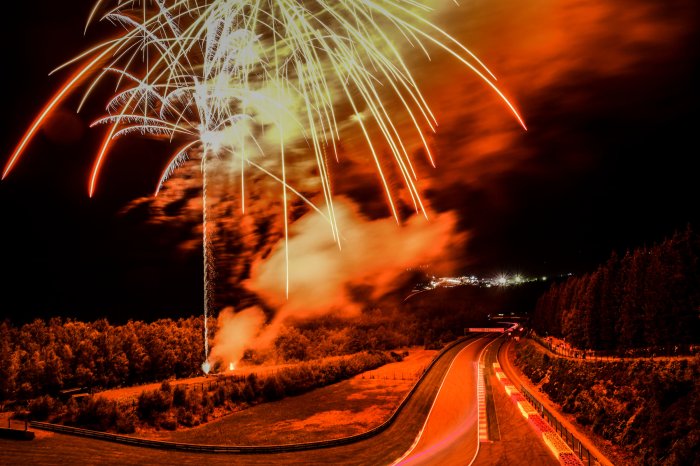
[[238, 79], [208, 265]]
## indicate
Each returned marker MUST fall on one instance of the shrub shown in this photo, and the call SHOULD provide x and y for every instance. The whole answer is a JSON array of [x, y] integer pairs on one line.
[[185, 418], [169, 423], [234, 392], [219, 396], [248, 392], [125, 423], [99, 413], [272, 388], [41, 408], [179, 395], [151, 404]]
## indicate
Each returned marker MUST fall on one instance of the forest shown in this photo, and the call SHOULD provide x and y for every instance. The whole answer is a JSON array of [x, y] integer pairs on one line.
[[648, 298], [44, 357]]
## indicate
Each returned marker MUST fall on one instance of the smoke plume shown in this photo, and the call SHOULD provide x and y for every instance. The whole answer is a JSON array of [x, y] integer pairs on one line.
[[236, 332], [372, 254]]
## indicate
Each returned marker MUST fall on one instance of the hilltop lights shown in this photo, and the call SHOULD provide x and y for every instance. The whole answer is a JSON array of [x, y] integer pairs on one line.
[[501, 280]]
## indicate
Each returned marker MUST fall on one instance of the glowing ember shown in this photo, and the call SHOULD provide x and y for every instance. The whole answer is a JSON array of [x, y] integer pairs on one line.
[[231, 366]]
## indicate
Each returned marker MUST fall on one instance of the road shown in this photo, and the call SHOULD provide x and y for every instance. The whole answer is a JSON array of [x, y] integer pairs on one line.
[[450, 434], [458, 387]]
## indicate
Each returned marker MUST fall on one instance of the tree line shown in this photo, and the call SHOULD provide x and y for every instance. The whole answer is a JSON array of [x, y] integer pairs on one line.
[[648, 298], [45, 357]]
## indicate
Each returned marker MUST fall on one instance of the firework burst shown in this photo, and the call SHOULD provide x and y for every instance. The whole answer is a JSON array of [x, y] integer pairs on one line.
[[239, 79]]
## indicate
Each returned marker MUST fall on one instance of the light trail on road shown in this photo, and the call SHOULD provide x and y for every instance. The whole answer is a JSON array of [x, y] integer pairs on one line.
[[450, 433]]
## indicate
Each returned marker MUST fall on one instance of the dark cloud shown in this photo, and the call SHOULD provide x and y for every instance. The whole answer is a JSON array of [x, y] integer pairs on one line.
[[606, 92]]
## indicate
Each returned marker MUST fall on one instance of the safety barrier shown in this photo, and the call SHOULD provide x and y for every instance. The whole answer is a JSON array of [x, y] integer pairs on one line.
[[570, 439]]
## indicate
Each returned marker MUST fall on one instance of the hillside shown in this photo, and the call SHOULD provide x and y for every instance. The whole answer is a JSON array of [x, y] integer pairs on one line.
[[650, 408]]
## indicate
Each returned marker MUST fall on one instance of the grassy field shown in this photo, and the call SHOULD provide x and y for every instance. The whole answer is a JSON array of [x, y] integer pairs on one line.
[[345, 408]]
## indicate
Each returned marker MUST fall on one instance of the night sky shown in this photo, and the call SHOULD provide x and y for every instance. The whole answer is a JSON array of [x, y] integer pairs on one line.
[[608, 92]]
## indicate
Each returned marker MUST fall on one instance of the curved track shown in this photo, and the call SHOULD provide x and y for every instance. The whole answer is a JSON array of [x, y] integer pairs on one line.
[[381, 449], [450, 433]]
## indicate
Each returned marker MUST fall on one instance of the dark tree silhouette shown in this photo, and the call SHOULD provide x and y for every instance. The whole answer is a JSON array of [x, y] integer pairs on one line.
[[649, 298]]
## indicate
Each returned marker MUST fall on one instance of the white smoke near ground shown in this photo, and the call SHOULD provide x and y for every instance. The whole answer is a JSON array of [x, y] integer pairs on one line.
[[236, 331], [373, 254]]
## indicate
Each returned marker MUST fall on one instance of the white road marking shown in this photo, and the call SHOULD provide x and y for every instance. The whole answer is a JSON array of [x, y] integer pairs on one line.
[[478, 443], [420, 433]]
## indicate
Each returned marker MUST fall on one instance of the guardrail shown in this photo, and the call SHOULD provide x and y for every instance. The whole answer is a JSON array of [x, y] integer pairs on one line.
[[650, 354], [581, 451], [247, 449]]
